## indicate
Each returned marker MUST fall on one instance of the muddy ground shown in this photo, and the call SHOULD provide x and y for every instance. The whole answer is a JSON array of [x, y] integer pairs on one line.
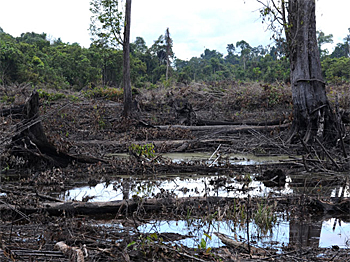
[[183, 119]]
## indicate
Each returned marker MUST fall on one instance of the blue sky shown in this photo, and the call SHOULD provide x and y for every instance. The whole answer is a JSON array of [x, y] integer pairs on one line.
[[194, 24]]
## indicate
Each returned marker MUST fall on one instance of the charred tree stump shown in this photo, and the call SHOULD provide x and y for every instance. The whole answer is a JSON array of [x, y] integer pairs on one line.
[[31, 143], [184, 112]]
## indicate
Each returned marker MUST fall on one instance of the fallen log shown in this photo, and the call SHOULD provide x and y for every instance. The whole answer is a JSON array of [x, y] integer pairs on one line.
[[176, 206], [123, 207], [21, 193], [156, 205], [161, 145], [174, 143], [231, 129], [202, 122]]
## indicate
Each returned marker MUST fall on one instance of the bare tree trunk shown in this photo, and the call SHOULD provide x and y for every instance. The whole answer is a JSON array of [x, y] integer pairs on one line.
[[313, 117], [168, 52], [126, 67], [167, 69], [126, 188]]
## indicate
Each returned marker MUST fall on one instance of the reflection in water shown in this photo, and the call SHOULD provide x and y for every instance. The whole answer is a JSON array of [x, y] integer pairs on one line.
[[196, 230], [303, 234], [182, 187], [126, 188], [321, 233], [284, 233], [205, 157], [233, 159], [341, 192], [335, 232]]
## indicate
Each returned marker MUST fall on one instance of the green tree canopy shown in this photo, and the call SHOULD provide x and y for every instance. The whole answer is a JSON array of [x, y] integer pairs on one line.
[[321, 40]]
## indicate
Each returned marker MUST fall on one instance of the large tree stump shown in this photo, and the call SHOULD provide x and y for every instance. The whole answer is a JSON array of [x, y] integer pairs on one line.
[[313, 116], [31, 143], [184, 112]]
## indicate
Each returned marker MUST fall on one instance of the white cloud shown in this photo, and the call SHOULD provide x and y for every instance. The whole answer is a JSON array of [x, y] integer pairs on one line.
[[209, 24], [332, 18], [193, 24], [68, 19]]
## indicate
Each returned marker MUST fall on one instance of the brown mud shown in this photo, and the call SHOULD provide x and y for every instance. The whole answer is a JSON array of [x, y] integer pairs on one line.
[[92, 135]]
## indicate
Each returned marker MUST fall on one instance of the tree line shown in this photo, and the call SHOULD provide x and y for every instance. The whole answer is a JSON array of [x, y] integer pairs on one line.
[[32, 58]]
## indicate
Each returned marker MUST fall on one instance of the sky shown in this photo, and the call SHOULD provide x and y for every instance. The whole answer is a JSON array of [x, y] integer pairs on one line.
[[194, 25]]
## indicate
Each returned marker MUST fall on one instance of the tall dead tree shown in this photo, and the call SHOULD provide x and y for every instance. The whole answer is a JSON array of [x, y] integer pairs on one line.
[[312, 115], [126, 65], [107, 24], [169, 52]]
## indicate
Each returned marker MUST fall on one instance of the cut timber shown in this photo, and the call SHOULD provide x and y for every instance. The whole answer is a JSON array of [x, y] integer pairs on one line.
[[36, 255]]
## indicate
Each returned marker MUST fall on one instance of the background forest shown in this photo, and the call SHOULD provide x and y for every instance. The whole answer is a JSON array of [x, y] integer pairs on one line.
[[33, 58]]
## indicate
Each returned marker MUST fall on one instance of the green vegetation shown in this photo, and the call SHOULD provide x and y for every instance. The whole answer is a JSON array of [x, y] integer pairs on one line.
[[146, 243], [31, 58], [110, 93], [50, 96], [265, 218], [203, 244], [146, 150]]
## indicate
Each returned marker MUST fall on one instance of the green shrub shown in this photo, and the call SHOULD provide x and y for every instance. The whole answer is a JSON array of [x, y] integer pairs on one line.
[[110, 93], [146, 150], [50, 96]]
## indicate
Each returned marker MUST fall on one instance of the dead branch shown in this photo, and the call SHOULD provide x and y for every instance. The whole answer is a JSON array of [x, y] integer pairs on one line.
[[25, 253], [74, 253], [243, 247], [327, 153], [343, 206]]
